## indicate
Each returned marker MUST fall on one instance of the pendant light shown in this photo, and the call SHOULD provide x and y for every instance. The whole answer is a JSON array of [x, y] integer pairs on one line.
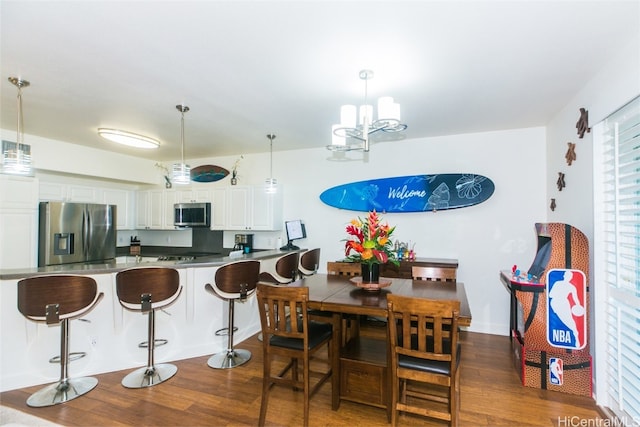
[[16, 156], [271, 183], [181, 171]]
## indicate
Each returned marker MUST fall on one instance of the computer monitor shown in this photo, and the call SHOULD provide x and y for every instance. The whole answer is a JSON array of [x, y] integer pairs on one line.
[[295, 231]]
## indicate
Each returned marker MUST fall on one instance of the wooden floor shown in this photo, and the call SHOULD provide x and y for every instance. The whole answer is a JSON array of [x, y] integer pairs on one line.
[[491, 395]]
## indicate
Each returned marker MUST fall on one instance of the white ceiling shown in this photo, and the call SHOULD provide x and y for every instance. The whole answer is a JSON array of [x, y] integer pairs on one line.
[[248, 68]]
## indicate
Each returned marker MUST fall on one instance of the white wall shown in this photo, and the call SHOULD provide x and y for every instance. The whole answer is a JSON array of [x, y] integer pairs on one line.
[[616, 84], [484, 238]]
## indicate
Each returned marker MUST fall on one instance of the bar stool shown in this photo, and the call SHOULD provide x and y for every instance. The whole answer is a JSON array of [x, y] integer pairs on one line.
[[56, 300], [234, 281], [147, 289], [286, 270], [309, 262]]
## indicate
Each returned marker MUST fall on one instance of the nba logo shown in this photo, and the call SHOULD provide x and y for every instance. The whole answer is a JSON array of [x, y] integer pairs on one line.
[[556, 374], [566, 309]]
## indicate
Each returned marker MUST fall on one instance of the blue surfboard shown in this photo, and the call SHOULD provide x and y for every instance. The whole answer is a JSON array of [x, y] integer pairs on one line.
[[414, 193]]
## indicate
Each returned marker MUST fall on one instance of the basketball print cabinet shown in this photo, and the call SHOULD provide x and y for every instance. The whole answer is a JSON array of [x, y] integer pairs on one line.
[[549, 311]]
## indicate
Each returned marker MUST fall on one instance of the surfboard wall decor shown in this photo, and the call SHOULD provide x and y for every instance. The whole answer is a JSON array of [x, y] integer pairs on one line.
[[414, 193], [208, 173]]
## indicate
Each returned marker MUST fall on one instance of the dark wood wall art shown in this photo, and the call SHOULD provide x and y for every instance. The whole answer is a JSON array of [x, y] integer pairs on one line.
[[571, 153], [583, 123], [553, 204], [560, 182]]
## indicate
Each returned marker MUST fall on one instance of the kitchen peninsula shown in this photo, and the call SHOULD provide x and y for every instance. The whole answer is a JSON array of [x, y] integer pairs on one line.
[[111, 335]]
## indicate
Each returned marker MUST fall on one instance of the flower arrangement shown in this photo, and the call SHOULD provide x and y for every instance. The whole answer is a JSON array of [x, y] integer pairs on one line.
[[370, 241]]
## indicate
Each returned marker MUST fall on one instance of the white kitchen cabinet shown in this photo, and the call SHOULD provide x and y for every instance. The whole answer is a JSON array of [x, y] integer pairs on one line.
[[218, 208], [123, 199], [62, 192], [18, 192], [150, 209], [193, 195], [18, 222], [251, 208]]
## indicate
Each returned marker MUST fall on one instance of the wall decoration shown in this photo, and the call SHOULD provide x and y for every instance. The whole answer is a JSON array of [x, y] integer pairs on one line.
[[414, 193], [583, 123], [571, 153], [166, 175], [208, 173], [560, 182], [234, 173], [553, 204]]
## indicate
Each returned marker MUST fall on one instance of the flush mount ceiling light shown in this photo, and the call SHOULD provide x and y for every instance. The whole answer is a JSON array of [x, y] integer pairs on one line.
[[128, 138], [353, 134], [181, 172], [16, 156], [271, 182]]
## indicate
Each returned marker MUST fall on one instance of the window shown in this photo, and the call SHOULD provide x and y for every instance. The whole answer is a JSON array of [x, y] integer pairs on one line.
[[617, 261]]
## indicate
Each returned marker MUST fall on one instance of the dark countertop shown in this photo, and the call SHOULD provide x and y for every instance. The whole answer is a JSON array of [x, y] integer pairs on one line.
[[113, 267]]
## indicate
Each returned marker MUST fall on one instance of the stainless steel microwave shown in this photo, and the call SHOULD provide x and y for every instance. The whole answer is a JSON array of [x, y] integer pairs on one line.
[[192, 214]]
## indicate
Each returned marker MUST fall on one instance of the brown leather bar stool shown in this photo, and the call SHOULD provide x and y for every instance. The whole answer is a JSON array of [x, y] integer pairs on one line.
[[234, 281], [309, 262], [147, 289], [286, 270], [56, 300]]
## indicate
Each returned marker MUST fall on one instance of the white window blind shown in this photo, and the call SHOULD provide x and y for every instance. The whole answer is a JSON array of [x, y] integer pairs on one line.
[[617, 260]]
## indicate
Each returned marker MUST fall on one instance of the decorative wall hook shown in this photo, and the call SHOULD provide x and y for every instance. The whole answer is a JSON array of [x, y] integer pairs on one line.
[[571, 153], [583, 123], [553, 204], [560, 181]]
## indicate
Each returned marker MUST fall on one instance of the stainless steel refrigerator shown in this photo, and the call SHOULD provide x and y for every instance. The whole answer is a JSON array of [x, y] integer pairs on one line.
[[76, 232]]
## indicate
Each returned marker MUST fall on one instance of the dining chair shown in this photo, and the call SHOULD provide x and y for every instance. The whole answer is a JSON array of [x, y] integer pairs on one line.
[[344, 268], [425, 357], [434, 274], [350, 322], [309, 262], [293, 337]]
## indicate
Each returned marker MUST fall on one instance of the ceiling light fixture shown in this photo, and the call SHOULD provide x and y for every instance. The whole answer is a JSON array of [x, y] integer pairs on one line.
[[388, 121], [128, 138], [181, 171], [16, 156], [271, 183]]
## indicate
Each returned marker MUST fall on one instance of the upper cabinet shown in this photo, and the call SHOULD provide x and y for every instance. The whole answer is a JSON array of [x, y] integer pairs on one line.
[[123, 199], [18, 192], [18, 221], [150, 209], [252, 208]]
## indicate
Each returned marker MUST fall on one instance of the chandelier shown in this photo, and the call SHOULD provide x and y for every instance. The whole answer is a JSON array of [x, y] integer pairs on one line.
[[181, 172], [271, 182], [350, 128], [16, 156]]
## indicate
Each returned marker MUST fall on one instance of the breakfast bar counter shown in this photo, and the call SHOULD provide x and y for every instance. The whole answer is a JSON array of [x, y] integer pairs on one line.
[[110, 335]]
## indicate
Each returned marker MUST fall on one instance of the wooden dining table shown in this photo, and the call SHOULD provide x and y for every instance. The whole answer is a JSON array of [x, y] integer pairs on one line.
[[340, 295]]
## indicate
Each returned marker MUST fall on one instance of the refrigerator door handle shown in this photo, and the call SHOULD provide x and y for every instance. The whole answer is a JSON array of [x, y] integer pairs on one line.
[[86, 233]]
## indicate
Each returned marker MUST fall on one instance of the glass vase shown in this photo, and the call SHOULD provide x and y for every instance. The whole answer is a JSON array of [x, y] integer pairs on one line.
[[370, 273]]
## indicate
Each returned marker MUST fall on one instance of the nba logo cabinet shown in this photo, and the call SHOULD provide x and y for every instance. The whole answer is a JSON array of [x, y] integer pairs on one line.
[[549, 326]]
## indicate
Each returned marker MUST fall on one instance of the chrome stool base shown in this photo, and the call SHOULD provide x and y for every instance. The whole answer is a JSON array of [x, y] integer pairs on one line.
[[229, 359], [147, 377], [62, 391]]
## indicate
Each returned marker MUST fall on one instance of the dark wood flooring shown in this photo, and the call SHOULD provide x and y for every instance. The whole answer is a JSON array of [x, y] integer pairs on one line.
[[491, 395]]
